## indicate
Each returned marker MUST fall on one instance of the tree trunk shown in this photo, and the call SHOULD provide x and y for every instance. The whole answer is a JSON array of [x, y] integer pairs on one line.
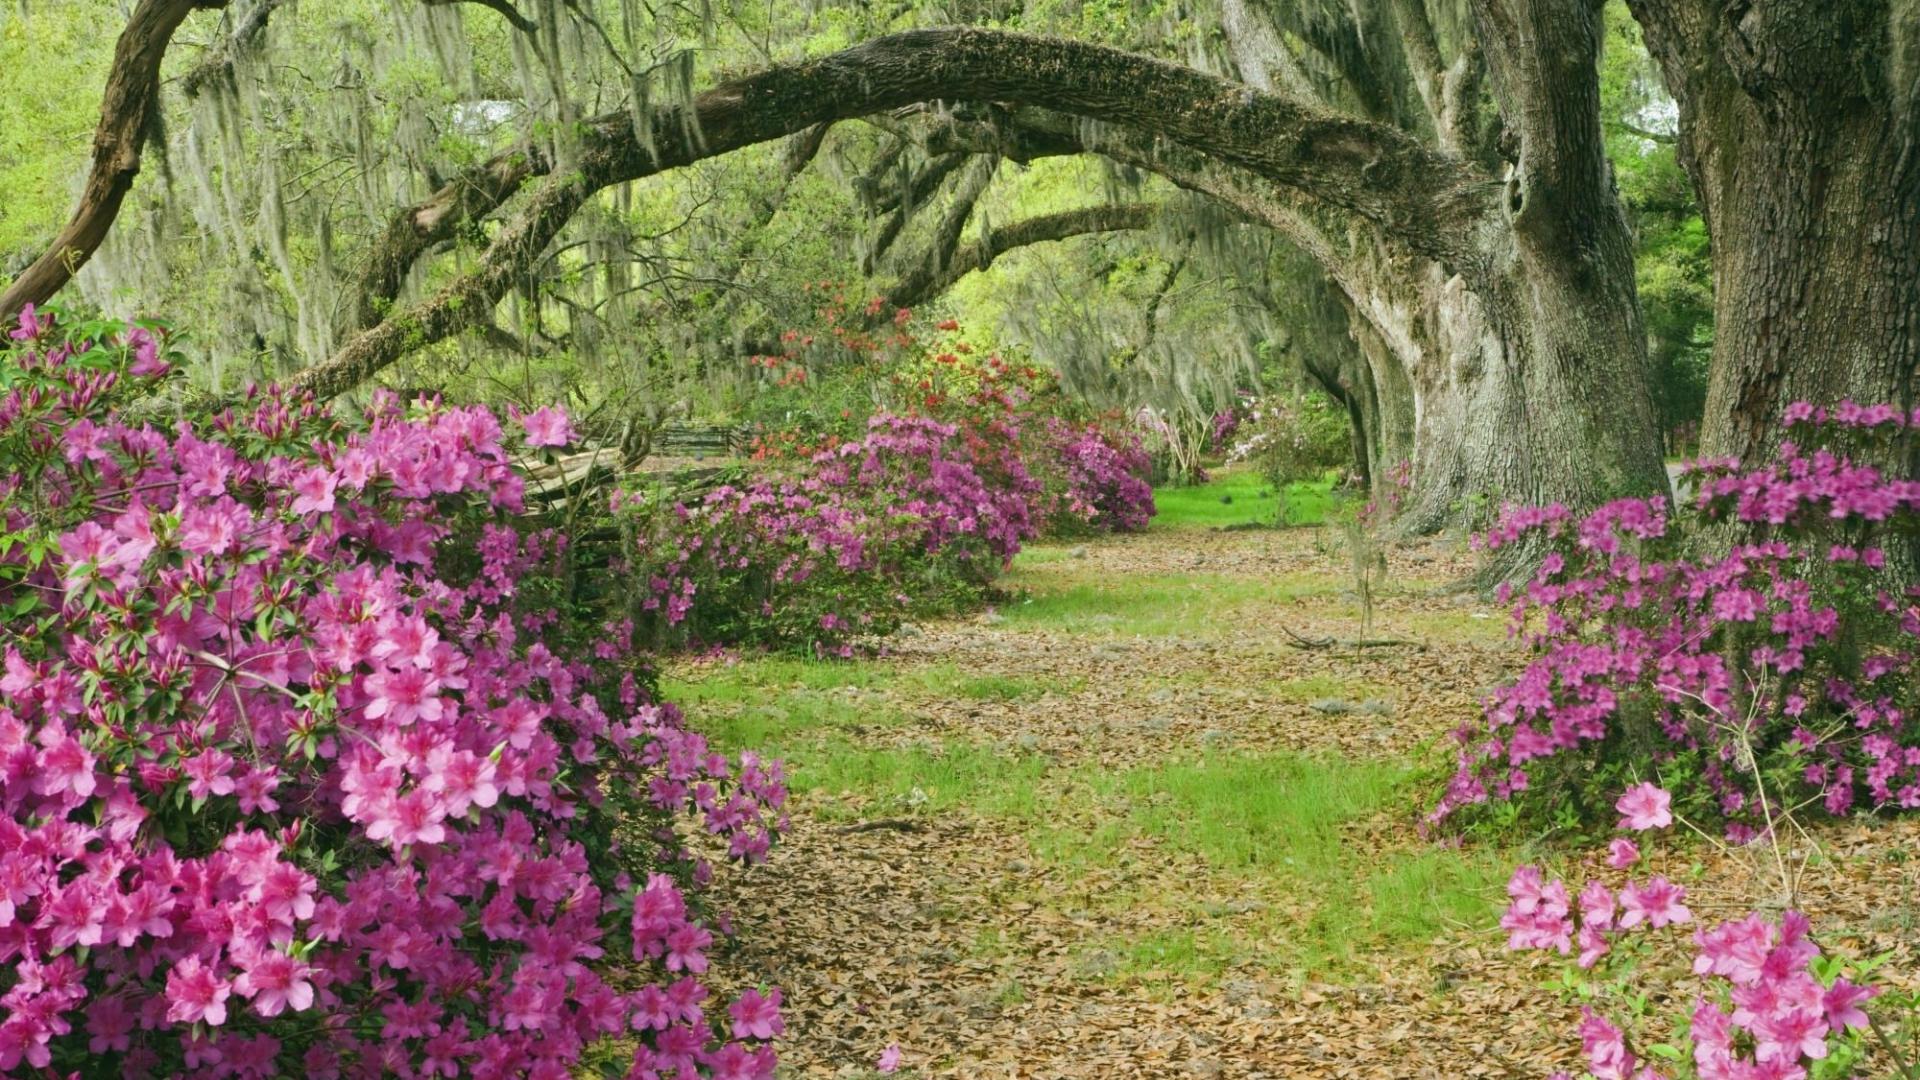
[[1800, 129]]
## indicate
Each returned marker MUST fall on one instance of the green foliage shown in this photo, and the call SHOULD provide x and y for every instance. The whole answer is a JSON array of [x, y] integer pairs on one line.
[[1672, 264], [1238, 498]]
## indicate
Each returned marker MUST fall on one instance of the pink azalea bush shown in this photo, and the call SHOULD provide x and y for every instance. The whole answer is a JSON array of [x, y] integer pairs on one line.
[[1101, 480], [313, 765], [848, 541], [1759, 631], [1771, 1006]]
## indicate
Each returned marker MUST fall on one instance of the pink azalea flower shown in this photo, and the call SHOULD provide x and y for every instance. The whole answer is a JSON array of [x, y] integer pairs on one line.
[[276, 983], [1657, 903], [889, 1058], [31, 325], [1791, 1034], [1842, 1003], [1622, 853], [757, 1017], [65, 765], [313, 491], [548, 426], [195, 995], [1605, 1047], [1645, 806]]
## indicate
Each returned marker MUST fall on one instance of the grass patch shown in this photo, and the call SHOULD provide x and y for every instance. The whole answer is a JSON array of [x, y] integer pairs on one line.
[[947, 680], [776, 705], [948, 776], [1274, 827], [1308, 688], [1041, 555], [1239, 497], [1153, 606]]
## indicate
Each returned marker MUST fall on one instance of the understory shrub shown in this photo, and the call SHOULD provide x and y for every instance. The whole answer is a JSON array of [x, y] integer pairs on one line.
[[1290, 438], [312, 763], [1770, 1003], [1767, 631], [848, 541], [865, 518]]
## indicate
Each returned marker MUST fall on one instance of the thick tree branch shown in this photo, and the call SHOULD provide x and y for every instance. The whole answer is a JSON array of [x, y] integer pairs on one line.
[[1376, 172], [473, 193], [928, 281], [506, 11], [219, 62], [1542, 56], [908, 197], [132, 93]]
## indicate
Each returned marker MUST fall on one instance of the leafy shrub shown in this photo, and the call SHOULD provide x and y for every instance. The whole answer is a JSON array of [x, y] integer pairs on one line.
[[1292, 437], [1771, 1004], [1787, 655], [309, 761], [1099, 480], [845, 542]]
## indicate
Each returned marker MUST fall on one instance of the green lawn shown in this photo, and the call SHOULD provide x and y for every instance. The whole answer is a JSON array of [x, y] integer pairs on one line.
[[1239, 496]]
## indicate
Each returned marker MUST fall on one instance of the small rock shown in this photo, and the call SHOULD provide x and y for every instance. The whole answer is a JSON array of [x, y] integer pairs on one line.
[[1332, 706], [1017, 866], [1079, 552], [1376, 707], [1159, 725], [907, 629], [1028, 741], [1161, 696], [1216, 737]]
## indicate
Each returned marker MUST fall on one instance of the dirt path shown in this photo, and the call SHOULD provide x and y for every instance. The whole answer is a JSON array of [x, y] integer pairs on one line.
[[1121, 827]]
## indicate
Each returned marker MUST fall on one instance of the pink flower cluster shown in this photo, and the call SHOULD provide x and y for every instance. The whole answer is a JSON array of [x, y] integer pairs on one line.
[[915, 514], [1797, 642], [302, 769], [1103, 480], [1766, 1013]]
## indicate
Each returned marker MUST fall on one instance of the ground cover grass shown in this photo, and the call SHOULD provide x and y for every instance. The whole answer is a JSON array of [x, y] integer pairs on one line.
[[1193, 867], [1239, 496]]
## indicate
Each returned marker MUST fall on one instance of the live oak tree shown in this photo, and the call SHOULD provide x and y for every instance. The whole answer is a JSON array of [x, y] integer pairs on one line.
[[1542, 394], [1799, 123], [1441, 163]]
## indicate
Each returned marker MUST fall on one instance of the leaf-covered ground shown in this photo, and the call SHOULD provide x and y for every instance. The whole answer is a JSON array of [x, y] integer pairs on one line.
[[1123, 826]]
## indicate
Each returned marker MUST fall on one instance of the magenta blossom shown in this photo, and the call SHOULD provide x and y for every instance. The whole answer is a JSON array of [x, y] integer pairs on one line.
[[548, 426], [1645, 806]]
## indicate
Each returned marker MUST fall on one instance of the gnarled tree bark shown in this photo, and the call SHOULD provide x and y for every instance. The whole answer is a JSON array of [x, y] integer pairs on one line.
[[1800, 128]]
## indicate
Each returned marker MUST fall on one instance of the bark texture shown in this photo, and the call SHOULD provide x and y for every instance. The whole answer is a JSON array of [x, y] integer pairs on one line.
[[126, 110], [1800, 128]]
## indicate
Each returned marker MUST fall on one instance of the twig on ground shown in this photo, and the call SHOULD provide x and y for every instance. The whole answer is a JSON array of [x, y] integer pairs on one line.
[[896, 824]]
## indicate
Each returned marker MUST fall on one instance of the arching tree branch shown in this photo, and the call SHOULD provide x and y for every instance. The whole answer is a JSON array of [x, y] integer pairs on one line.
[[506, 11], [927, 281], [1433, 202], [133, 92]]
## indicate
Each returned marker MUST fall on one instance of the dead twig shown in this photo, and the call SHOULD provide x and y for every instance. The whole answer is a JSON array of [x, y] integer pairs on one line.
[[896, 824]]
